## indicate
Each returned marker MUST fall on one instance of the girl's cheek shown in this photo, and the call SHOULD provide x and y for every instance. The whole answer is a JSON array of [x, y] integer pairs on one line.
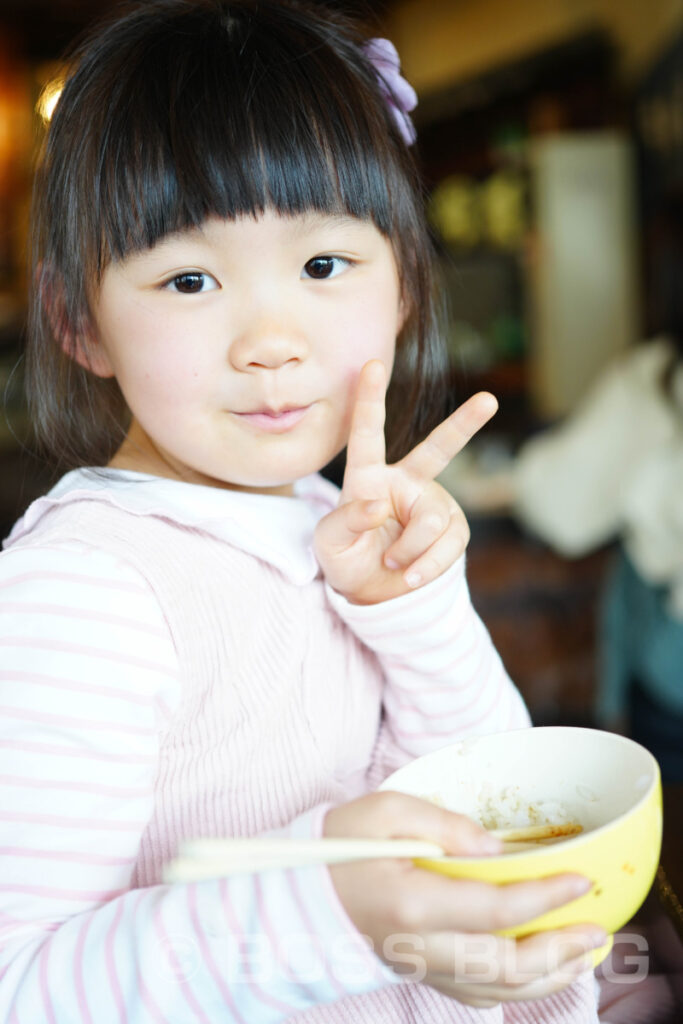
[[372, 337], [349, 371]]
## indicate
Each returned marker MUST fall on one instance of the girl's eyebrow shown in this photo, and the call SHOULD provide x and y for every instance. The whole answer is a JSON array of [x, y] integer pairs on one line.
[[308, 222], [191, 236]]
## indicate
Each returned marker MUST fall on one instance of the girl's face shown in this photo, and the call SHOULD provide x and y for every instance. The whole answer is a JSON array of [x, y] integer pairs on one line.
[[238, 346]]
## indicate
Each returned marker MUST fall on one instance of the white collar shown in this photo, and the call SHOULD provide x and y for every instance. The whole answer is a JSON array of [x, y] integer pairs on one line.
[[276, 529]]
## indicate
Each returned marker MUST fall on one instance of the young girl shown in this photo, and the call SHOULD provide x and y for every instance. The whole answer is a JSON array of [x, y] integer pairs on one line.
[[200, 635]]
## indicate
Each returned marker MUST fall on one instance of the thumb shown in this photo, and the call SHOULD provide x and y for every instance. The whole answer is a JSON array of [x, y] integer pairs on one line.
[[394, 815], [340, 528]]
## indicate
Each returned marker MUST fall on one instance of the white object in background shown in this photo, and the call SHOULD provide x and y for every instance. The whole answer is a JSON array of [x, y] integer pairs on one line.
[[584, 292]]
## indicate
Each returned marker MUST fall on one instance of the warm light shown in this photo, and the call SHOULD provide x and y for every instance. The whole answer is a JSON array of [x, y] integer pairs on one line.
[[48, 98]]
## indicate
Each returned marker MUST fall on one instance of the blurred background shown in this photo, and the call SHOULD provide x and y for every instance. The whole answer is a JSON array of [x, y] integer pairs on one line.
[[550, 133]]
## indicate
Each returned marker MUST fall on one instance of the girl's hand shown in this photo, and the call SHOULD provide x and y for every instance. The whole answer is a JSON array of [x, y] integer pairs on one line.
[[395, 528], [437, 930]]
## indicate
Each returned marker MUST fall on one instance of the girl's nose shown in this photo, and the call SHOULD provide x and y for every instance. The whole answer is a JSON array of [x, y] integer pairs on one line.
[[268, 344]]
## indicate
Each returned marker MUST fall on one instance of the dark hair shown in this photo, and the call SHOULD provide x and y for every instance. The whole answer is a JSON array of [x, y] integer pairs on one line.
[[664, 279], [178, 110]]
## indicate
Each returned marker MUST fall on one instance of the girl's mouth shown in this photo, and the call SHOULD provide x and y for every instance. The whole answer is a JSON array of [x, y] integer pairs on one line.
[[274, 422]]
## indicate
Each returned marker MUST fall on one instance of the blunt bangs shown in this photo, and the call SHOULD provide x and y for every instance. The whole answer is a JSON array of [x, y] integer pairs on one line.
[[277, 130]]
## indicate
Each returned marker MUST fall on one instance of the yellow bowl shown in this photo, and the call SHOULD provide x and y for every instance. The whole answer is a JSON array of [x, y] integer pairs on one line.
[[609, 784]]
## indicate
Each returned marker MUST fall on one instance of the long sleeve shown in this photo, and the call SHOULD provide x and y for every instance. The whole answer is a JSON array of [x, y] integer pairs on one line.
[[445, 681], [88, 679], [444, 678]]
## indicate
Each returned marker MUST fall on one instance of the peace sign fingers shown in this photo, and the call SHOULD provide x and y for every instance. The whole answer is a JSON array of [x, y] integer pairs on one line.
[[431, 456], [395, 527], [366, 445]]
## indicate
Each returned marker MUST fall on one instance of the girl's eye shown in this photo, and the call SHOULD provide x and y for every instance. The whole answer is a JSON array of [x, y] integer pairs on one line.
[[322, 267], [192, 283]]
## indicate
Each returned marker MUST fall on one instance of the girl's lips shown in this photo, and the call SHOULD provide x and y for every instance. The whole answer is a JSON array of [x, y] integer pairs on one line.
[[274, 423]]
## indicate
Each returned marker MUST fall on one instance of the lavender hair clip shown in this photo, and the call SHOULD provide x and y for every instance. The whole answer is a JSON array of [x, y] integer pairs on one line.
[[400, 96]]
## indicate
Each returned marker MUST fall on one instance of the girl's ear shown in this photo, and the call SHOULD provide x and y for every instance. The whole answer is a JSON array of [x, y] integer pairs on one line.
[[88, 352], [404, 310], [78, 342]]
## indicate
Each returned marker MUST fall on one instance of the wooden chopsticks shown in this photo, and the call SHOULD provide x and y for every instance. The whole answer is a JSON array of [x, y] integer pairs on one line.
[[530, 837], [212, 858]]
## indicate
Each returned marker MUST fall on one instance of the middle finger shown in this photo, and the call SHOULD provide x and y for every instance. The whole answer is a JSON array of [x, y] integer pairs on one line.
[[431, 456]]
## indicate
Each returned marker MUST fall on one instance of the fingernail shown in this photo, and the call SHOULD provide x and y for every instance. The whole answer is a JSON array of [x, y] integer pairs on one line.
[[581, 886], [489, 844], [413, 579], [480, 846], [598, 938], [581, 964], [391, 563], [371, 507]]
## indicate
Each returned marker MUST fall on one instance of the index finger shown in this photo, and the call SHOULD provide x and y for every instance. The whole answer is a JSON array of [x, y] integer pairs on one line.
[[366, 446], [431, 456]]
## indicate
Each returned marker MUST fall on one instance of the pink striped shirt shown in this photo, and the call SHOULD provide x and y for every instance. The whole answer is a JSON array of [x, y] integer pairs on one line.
[[172, 665]]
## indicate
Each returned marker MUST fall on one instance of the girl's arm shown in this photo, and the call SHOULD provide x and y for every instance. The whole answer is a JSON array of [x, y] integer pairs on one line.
[[89, 679], [444, 678], [392, 554]]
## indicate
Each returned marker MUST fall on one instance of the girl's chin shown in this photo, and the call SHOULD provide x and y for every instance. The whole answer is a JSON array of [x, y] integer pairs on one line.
[[263, 483], [276, 490]]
